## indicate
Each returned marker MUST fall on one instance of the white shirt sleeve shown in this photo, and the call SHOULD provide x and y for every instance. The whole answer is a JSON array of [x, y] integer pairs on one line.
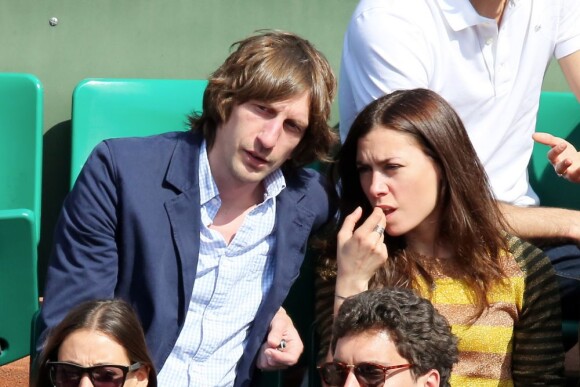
[[568, 38]]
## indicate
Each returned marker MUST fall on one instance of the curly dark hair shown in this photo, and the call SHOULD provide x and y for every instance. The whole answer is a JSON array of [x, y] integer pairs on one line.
[[269, 67], [421, 335]]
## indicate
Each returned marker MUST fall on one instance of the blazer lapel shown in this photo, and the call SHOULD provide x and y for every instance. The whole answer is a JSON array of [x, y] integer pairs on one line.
[[293, 227], [184, 212]]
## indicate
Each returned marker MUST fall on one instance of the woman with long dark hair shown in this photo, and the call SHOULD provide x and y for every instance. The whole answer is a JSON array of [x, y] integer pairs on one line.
[[416, 211]]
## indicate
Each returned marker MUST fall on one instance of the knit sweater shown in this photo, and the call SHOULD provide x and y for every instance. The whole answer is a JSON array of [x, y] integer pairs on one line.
[[516, 341]]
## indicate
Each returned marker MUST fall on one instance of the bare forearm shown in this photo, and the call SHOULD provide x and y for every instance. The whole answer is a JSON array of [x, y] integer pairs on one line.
[[571, 68], [542, 222]]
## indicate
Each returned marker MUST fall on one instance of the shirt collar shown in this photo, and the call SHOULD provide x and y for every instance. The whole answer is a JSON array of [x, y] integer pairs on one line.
[[274, 183], [207, 187]]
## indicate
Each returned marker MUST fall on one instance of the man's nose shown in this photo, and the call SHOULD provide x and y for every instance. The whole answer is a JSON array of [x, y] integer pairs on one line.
[[270, 133], [351, 380]]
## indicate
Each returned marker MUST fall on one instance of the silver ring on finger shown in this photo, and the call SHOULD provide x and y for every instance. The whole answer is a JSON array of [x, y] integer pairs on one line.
[[379, 229]]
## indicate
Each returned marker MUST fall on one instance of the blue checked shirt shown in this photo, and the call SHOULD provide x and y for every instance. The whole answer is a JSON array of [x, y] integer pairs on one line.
[[230, 283]]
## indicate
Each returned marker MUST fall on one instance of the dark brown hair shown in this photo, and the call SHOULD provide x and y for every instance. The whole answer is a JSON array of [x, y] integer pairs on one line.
[[471, 222], [420, 334], [270, 67], [115, 318]]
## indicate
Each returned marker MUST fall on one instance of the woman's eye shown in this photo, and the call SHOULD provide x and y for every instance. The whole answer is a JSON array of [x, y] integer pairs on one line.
[[362, 168]]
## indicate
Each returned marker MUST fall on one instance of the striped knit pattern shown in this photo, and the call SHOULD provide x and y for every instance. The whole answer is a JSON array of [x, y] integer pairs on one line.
[[515, 342]]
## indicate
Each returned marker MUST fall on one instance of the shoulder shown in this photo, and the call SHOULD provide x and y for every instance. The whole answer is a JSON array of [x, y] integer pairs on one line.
[[307, 181], [539, 278], [406, 8], [381, 14], [307, 188], [380, 28], [529, 257], [141, 151], [159, 142], [132, 158]]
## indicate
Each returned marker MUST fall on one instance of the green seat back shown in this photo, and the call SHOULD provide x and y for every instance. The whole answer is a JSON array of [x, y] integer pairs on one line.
[[20, 192], [559, 114], [18, 286], [21, 113], [109, 108]]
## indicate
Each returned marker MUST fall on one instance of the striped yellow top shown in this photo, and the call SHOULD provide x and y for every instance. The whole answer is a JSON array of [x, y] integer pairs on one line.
[[517, 339]]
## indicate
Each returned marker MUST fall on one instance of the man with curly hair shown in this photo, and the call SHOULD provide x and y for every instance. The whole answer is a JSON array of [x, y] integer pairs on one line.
[[390, 337]]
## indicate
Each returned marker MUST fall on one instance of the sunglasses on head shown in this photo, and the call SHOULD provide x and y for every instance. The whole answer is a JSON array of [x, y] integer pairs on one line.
[[368, 374], [63, 374]]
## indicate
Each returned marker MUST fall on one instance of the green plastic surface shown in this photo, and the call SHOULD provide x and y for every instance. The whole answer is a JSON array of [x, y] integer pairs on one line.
[[109, 108], [21, 113], [559, 114], [18, 288]]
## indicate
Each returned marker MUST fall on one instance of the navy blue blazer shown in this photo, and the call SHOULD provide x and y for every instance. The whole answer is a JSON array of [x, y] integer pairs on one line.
[[130, 229]]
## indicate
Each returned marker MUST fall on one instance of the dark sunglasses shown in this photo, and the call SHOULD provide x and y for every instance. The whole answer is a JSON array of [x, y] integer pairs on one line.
[[64, 374], [368, 374]]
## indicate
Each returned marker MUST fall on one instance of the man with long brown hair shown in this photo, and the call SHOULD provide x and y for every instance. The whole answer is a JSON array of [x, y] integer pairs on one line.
[[204, 232]]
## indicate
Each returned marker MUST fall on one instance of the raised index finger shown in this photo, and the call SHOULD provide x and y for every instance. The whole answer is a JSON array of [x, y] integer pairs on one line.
[[546, 139], [376, 218], [349, 223]]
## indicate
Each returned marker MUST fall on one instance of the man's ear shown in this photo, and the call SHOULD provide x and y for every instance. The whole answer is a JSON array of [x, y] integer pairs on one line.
[[430, 379]]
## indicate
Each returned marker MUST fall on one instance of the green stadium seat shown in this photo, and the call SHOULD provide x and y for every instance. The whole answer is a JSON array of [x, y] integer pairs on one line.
[[559, 114], [109, 108], [21, 115]]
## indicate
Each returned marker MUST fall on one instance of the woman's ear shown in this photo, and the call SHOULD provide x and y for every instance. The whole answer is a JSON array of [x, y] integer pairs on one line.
[[430, 379], [142, 376]]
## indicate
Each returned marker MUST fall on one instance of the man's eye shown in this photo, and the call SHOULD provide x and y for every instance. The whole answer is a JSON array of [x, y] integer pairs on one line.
[[294, 127], [262, 108]]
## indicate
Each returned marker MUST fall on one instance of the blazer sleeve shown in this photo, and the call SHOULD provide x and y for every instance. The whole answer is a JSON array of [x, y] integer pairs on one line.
[[84, 260], [538, 354]]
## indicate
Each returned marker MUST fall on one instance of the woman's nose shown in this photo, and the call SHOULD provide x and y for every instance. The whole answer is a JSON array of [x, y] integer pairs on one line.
[[379, 185], [85, 381]]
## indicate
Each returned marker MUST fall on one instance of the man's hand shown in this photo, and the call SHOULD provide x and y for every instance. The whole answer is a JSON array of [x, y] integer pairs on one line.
[[563, 156], [274, 355]]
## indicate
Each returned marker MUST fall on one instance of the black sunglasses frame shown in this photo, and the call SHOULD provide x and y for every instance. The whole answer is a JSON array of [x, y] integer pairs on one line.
[[89, 370], [355, 367]]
